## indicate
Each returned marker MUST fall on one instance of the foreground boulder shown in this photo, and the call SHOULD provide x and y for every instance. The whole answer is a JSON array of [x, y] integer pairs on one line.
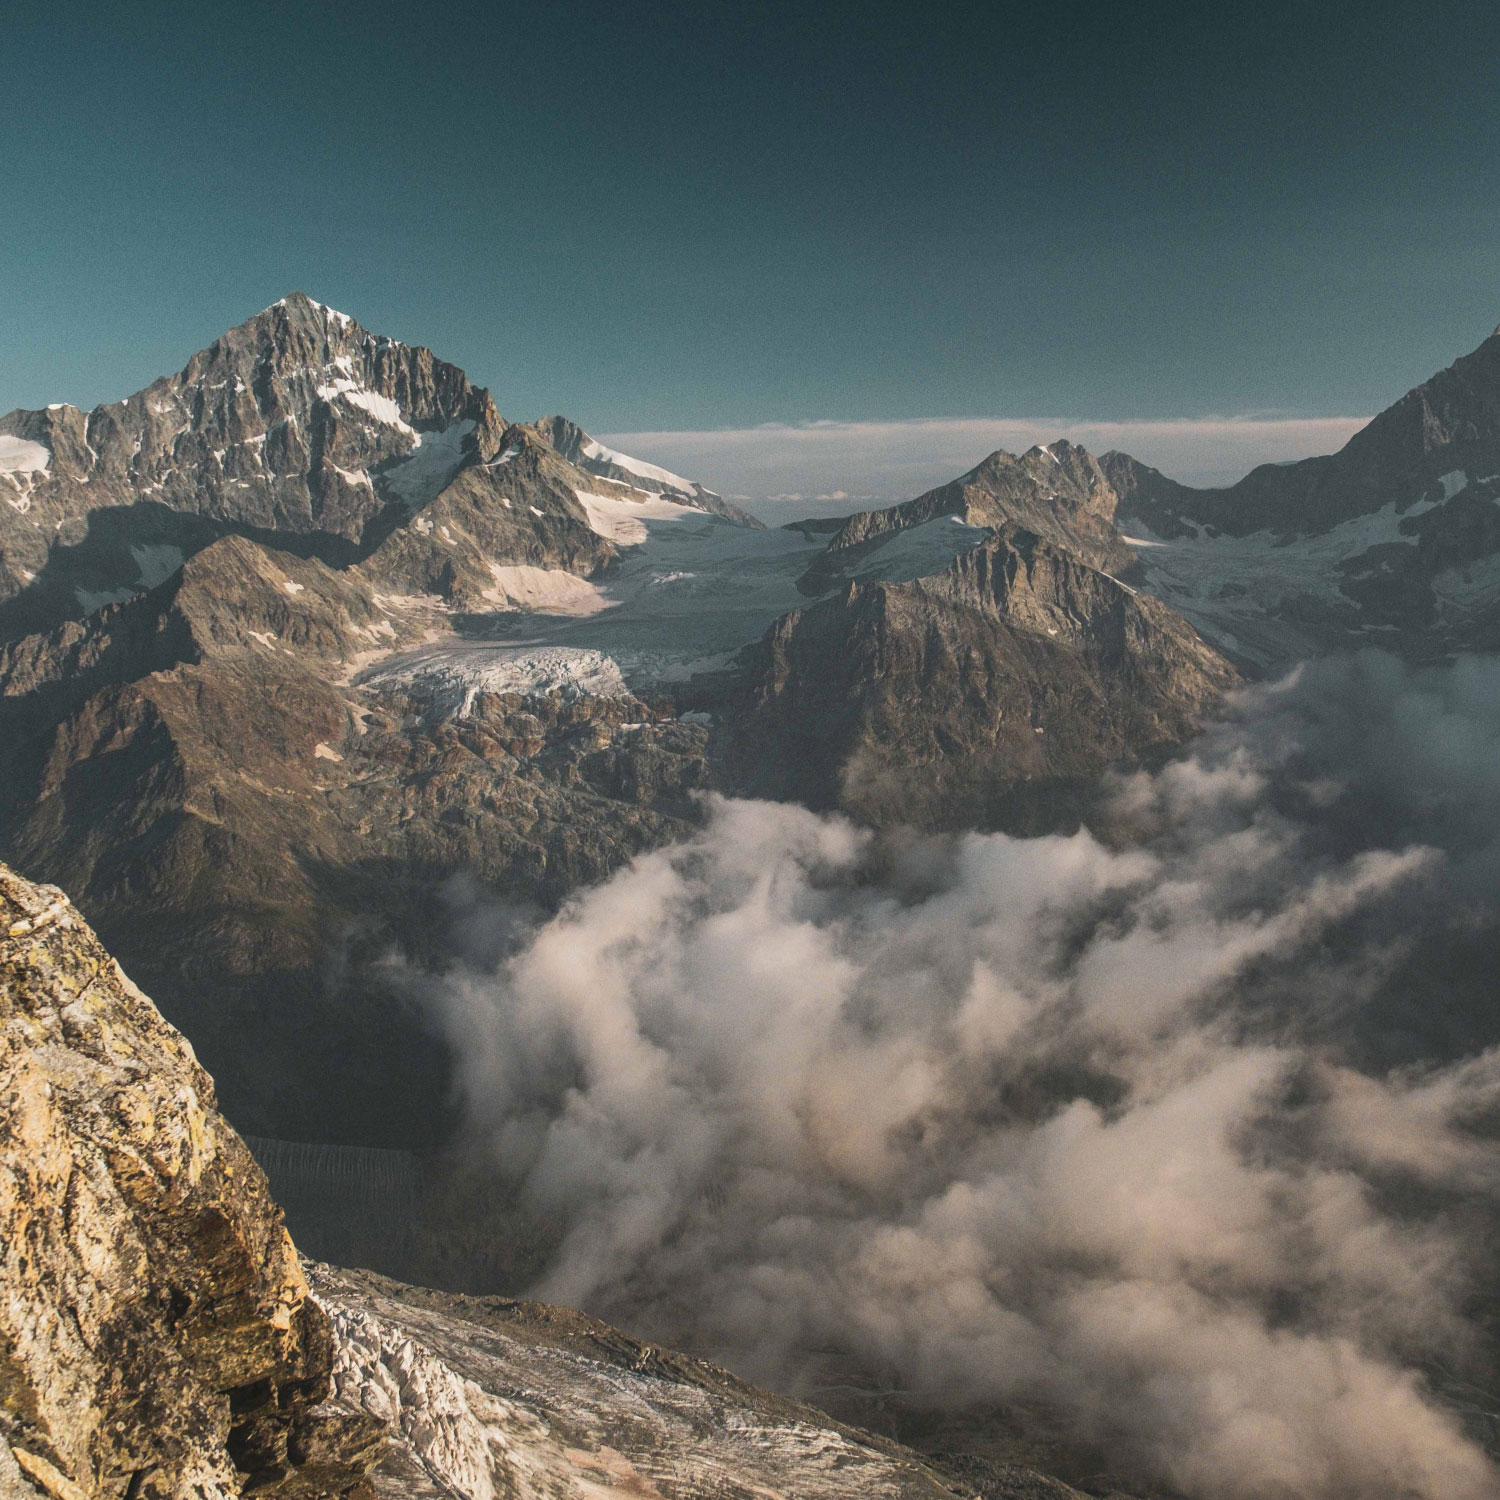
[[157, 1335]]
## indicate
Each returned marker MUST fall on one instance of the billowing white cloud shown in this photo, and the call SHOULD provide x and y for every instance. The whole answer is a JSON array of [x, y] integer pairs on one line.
[[1097, 1125], [819, 467]]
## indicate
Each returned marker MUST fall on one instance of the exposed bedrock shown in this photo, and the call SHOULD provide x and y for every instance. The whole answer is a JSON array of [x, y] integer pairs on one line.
[[157, 1336]]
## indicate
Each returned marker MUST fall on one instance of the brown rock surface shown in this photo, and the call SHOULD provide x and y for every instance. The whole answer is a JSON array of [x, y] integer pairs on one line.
[[990, 695], [157, 1336], [1059, 492]]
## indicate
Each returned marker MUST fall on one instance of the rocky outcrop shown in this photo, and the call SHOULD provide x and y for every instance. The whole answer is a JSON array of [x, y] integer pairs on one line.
[[1058, 492], [490, 1397], [157, 1336], [990, 695]]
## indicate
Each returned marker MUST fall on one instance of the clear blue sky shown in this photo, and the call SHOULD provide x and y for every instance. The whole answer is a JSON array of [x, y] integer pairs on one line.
[[708, 215]]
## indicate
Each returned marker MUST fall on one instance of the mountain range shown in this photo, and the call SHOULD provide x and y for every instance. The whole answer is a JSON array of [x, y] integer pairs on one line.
[[306, 649], [296, 635]]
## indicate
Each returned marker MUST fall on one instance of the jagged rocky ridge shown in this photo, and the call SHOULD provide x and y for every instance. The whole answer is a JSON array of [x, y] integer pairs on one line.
[[157, 1335], [304, 431], [1058, 491], [1392, 541], [992, 694], [159, 1339]]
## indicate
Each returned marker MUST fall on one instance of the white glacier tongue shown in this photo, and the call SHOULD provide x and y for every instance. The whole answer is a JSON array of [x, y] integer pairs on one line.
[[689, 590], [450, 675]]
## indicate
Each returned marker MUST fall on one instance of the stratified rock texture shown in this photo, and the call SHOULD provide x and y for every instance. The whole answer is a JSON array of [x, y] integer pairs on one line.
[[990, 695], [157, 1336], [488, 1397]]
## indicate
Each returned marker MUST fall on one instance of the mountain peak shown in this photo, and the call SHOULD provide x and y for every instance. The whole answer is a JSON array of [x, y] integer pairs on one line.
[[300, 302]]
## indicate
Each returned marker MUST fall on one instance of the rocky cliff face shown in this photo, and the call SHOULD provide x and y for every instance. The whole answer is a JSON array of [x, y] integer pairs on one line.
[[157, 1337], [1392, 541], [1058, 492], [988, 695]]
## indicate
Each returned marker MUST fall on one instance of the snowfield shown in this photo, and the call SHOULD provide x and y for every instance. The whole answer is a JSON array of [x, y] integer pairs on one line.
[[1269, 599], [434, 459], [663, 477], [690, 590]]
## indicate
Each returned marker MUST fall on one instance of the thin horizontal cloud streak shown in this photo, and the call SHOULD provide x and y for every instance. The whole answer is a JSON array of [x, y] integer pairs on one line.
[[824, 466]]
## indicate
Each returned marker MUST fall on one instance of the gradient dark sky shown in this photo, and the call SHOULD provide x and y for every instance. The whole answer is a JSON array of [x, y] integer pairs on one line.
[[712, 215]]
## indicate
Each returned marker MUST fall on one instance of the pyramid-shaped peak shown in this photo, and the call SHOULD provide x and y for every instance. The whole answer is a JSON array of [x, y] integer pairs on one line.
[[305, 312]]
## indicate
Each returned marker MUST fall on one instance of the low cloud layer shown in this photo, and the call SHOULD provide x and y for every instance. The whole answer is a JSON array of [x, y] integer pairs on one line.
[[1179, 1133], [785, 471]]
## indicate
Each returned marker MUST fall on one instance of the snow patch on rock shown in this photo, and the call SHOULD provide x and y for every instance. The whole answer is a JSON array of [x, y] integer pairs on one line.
[[382, 408], [426, 471], [22, 456], [548, 591], [600, 454], [623, 521]]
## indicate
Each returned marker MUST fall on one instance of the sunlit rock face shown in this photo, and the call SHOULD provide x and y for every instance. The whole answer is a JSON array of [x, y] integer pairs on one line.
[[157, 1336], [991, 694]]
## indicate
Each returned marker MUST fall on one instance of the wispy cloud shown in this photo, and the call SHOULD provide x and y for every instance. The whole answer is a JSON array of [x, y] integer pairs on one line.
[[825, 466]]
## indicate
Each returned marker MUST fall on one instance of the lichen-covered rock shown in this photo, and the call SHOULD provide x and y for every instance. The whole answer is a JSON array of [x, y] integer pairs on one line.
[[157, 1336]]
